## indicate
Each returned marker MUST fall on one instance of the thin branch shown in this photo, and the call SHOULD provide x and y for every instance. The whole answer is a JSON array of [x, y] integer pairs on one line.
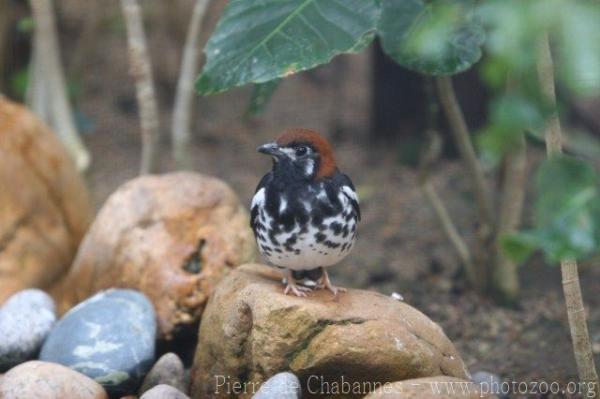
[[553, 134], [141, 71], [465, 146], [50, 80], [428, 157], [505, 277], [582, 346], [182, 110]]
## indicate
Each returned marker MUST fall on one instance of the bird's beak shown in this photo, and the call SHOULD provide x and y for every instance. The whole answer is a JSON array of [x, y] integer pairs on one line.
[[270, 149]]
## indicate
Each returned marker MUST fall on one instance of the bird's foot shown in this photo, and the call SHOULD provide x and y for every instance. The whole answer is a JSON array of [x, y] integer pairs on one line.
[[298, 290], [293, 287], [326, 284]]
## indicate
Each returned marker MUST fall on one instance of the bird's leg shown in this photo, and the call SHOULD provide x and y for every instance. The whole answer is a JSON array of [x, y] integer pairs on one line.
[[326, 283], [291, 286]]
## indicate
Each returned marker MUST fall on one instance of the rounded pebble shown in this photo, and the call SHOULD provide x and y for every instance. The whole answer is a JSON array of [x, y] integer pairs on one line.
[[109, 337], [488, 383], [168, 370], [26, 319], [280, 386], [41, 380], [164, 392]]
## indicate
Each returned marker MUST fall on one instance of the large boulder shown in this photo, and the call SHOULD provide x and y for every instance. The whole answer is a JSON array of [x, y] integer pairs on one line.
[[44, 205], [250, 331], [172, 237]]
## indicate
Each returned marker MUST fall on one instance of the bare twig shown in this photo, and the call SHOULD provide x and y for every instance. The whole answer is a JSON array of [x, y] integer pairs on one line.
[[450, 230], [465, 146], [582, 347], [50, 81], [505, 278], [185, 88], [141, 71]]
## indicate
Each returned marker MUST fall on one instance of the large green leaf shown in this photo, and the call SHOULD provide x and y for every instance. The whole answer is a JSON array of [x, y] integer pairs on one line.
[[431, 36], [257, 41]]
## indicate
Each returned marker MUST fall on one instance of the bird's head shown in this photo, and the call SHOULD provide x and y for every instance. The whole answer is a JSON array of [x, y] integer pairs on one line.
[[301, 153]]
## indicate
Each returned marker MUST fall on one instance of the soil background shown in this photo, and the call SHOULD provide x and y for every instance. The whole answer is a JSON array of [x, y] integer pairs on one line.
[[401, 247]]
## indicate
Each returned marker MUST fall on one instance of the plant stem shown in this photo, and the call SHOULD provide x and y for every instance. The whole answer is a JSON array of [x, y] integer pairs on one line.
[[141, 71], [48, 77], [182, 110], [463, 141], [582, 347], [505, 278]]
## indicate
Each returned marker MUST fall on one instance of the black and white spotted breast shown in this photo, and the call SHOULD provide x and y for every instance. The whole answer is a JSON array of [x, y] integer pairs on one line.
[[304, 226]]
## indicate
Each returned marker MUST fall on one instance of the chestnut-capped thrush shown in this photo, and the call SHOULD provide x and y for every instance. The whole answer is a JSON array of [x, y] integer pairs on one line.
[[305, 211]]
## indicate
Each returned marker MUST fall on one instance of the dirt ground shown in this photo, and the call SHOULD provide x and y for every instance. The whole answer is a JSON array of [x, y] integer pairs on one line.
[[400, 248]]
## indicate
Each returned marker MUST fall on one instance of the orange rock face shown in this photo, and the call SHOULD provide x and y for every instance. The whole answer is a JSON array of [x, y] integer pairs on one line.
[[251, 331], [44, 205], [440, 387], [173, 237]]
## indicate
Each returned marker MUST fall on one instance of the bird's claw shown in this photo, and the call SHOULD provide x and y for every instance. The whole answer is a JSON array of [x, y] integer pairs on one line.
[[298, 290], [334, 290]]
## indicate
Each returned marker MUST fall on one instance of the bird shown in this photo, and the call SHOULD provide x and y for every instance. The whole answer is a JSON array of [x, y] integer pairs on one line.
[[305, 212]]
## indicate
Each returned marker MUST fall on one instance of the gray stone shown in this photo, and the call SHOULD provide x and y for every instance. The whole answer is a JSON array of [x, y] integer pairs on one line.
[[280, 386], [109, 337], [164, 392], [489, 383], [26, 319], [168, 370]]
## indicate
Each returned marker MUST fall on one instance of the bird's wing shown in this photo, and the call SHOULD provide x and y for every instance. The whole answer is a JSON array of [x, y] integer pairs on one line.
[[349, 191], [259, 198]]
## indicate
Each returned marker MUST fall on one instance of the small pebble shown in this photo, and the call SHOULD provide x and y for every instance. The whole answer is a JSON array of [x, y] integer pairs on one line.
[[168, 370], [489, 383], [109, 337], [397, 296], [26, 319], [164, 392], [280, 386]]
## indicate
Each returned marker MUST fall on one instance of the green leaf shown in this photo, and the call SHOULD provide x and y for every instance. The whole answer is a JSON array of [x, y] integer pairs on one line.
[[258, 41], [431, 37], [519, 246], [565, 216], [511, 114], [261, 95]]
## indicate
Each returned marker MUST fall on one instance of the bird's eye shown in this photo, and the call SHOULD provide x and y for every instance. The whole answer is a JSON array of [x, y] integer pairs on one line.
[[300, 151]]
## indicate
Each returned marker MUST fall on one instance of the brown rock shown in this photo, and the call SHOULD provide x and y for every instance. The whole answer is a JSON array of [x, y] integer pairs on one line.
[[251, 331], [42, 380], [44, 205], [164, 392], [440, 387], [173, 237], [168, 370]]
